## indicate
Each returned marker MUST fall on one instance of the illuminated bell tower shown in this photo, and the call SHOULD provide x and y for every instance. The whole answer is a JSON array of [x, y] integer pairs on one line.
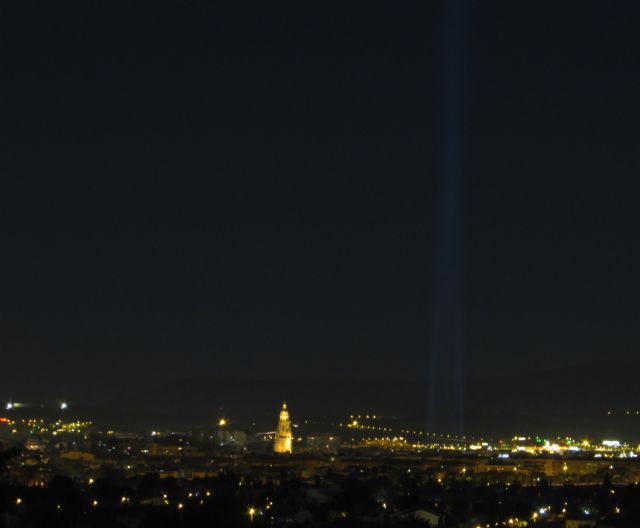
[[283, 434]]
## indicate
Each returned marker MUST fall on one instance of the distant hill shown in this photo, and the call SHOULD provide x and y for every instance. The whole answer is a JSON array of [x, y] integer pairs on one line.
[[568, 400]]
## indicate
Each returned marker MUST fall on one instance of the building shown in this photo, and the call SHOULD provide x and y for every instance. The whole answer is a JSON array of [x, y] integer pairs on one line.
[[234, 439], [283, 437], [323, 443], [418, 515]]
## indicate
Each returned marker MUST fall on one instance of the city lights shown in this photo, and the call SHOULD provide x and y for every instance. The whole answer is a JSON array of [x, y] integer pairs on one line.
[[442, 458]]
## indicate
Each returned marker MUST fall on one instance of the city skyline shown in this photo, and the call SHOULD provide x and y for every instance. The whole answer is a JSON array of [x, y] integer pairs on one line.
[[298, 264]]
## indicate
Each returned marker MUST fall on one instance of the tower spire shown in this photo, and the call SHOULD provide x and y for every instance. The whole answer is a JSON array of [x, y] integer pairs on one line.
[[283, 440]]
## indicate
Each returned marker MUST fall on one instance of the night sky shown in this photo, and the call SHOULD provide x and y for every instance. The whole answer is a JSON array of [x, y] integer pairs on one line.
[[253, 191]]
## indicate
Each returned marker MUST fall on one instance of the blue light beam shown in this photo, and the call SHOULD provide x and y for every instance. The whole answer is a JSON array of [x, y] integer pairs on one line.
[[445, 406]]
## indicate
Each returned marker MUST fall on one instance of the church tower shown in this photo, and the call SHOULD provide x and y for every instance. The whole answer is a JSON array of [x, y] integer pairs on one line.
[[283, 434]]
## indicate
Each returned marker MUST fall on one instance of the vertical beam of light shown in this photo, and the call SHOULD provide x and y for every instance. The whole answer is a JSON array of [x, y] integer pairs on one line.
[[446, 377]]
